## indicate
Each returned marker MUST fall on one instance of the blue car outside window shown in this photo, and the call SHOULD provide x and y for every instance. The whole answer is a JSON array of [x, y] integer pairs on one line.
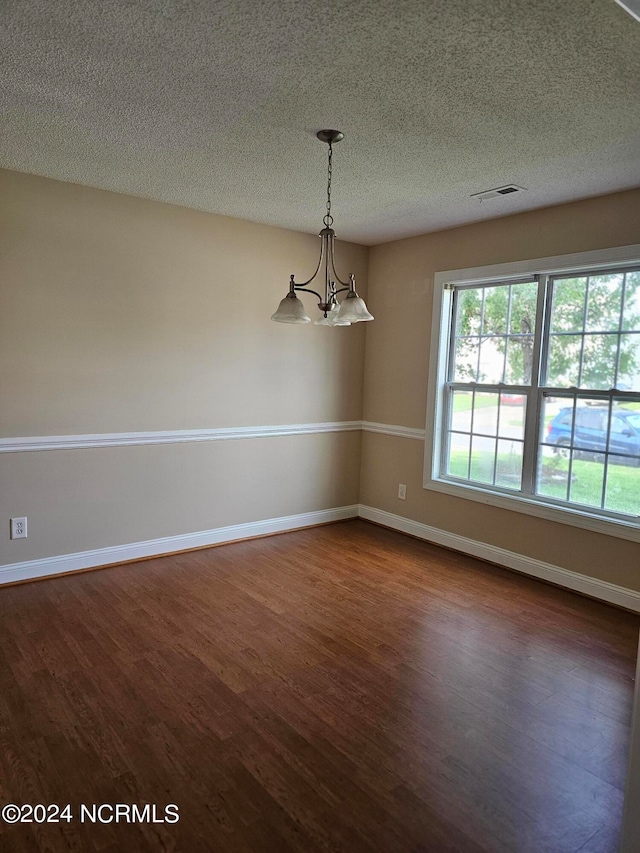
[[590, 433]]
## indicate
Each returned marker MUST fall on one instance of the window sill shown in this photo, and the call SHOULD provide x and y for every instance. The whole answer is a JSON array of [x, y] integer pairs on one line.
[[551, 512]]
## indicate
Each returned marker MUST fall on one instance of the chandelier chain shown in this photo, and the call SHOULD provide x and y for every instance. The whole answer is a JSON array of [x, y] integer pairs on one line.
[[328, 218]]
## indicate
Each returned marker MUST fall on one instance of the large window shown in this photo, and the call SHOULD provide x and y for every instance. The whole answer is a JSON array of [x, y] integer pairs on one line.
[[536, 396]]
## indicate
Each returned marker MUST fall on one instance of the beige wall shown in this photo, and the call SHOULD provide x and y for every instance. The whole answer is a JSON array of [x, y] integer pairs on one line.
[[119, 314], [401, 276]]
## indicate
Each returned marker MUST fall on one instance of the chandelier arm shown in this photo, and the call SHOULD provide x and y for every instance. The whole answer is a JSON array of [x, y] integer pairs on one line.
[[345, 284], [309, 280], [322, 254], [308, 290]]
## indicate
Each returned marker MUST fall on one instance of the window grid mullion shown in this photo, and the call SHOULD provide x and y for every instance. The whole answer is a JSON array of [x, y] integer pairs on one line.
[[506, 341], [584, 328], [605, 473], [484, 293], [620, 324], [473, 412], [495, 453], [532, 416], [571, 445]]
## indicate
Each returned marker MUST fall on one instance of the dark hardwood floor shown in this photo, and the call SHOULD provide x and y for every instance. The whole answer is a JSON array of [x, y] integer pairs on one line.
[[344, 688]]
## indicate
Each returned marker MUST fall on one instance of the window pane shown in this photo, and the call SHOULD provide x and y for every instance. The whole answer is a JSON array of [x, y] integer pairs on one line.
[[556, 433], [599, 361], [629, 364], [522, 323], [557, 422], [553, 473], [563, 366], [524, 298], [623, 486], [485, 413], [512, 415], [586, 480], [624, 437], [483, 454], [458, 461], [567, 312], [592, 422], [491, 361], [461, 410], [631, 316], [496, 310], [519, 360], [469, 311], [465, 367], [603, 308], [509, 464]]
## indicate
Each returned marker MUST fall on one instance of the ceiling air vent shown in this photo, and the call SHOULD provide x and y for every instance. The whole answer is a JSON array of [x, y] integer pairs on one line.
[[498, 191]]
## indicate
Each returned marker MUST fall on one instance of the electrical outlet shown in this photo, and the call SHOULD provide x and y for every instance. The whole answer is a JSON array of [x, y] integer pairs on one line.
[[19, 528], [402, 491]]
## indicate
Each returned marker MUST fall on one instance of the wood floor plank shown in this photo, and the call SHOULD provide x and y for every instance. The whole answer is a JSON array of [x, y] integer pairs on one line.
[[343, 688]]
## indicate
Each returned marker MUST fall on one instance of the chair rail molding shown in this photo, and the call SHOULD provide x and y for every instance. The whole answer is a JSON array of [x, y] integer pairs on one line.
[[125, 439], [22, 444]]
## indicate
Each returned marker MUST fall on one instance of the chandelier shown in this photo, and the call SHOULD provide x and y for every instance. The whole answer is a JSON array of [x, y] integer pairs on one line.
[[352, 309]]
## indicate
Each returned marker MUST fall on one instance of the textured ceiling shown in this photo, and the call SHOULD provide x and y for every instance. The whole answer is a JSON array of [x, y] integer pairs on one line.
[[214, 105]]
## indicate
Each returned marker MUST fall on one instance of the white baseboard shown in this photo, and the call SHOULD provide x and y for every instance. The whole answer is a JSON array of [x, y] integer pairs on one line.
[[153, 547], [592, 587], [50, 566]]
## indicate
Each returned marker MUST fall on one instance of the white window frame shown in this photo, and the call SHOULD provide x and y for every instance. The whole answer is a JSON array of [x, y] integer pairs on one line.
[[440, 330]]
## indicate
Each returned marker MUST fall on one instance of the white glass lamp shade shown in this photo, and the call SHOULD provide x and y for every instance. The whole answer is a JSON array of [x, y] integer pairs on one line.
[[291, 310], [353, 310], [332, 318]]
